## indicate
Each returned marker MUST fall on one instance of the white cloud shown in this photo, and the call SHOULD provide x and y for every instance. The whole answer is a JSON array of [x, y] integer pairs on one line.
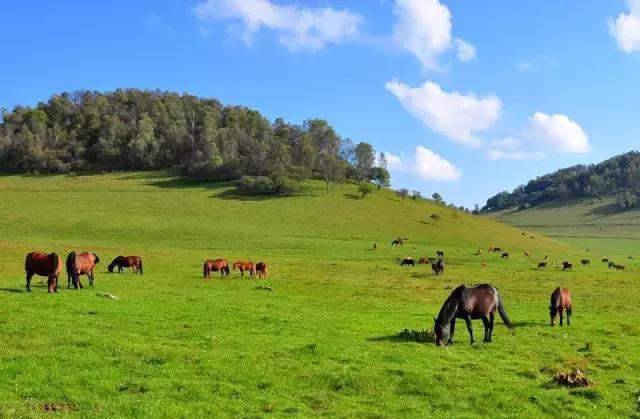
[[457, 116], [423, 27], [498, 154], [430, 166], [424, 164], [297, 27], [508, 143], [558, 133], [466, 51], [626, 28]]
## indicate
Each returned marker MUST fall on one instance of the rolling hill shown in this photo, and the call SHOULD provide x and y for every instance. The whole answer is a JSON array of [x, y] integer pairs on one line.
[[322, 336]]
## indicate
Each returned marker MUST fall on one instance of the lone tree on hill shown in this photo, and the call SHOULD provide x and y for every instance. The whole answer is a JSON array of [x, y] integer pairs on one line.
[[404, 192], [380, 176]]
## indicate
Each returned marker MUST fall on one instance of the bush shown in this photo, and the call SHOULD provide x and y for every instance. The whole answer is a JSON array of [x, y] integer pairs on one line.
[[286, 186], [262, 185], [365, 189]]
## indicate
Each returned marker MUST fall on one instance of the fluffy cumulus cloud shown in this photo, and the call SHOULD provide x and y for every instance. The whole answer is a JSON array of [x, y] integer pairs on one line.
[[558, 133], [423, 28], [544, 135], [459, 117], [297, 27], [626, 28], [425, 165]]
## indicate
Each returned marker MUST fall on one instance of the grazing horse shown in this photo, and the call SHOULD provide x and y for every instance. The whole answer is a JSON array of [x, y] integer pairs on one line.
[[560, 301], [245, 266], [542, 265], [407, 261], [527, 254], [620, 267], [611, 264], [585, 262], [479, 302], [504, 256], [43, 264], [133, 262], [80, 264], [424, 260], [567, 266], [438, 267], [215, 265], [440, 254], [262, 270]]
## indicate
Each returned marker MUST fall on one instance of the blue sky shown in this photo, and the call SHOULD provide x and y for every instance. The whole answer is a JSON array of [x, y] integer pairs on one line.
[[470, 97]]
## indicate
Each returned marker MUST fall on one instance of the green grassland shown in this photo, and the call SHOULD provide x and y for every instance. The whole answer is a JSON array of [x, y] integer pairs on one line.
[[321, 337], [599, 225]]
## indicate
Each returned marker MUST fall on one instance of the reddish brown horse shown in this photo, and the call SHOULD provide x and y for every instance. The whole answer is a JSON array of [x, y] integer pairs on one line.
[[262, 270], [215, 265], [80, 264], [133, 262], [560, 301], [245, 265], [479, 302], [43, 264]]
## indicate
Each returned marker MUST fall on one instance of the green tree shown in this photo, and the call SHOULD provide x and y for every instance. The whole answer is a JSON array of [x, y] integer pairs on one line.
[[364, 160], [380, 176]]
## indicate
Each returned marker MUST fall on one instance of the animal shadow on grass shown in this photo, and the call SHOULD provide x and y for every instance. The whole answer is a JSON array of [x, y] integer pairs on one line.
[[522, 324], [352, 196], [18, 290], [420, 336]]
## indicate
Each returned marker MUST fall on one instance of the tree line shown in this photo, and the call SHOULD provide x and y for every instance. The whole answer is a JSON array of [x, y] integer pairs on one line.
[[618, 175], [131, 129]]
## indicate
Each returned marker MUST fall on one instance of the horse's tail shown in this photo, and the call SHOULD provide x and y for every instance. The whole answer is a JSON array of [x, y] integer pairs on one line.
[[55, 260], [71, 263], [204, 269], [140, 266], [503, 312]]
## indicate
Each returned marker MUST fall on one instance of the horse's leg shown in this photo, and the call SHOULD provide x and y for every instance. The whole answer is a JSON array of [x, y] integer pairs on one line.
[[485, 323], [29, 276], [569, 316], [467, 319], [560, 312], [50, 284], [453, 329], [90, 275]]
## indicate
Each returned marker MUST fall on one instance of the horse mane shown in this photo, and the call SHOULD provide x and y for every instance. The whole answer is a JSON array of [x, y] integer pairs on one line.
[[450, 306]]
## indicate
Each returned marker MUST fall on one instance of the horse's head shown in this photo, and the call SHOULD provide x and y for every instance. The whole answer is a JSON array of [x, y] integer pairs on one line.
[[441, 332], [96, 258], [110, 268]]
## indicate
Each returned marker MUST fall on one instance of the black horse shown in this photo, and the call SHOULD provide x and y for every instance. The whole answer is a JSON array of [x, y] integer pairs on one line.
[[479, 302], [407, 261], [438, 267]]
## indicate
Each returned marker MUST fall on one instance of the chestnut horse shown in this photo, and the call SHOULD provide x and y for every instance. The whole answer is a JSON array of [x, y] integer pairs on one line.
[[560, 301], [215, 265], [43, 264], [245, 266], [80, 264], [133, 262], [479, 302], [262, 270]]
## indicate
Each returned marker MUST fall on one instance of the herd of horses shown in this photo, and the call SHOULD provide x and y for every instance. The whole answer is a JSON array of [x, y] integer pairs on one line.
[[77, 264]]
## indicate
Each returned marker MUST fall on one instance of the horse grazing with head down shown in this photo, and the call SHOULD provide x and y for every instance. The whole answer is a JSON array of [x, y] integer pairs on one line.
[[215, 265], [479, 302], [133, 262], [408, 260], [560, 301], [245, 266], [43, 264], [262, 270], [80, 264]]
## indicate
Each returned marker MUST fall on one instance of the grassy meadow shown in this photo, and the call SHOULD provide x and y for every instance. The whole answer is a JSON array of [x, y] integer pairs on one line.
[[320, 336]]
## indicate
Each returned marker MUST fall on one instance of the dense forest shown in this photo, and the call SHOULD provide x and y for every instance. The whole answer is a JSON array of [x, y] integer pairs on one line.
[[131, 129], [619, 176]]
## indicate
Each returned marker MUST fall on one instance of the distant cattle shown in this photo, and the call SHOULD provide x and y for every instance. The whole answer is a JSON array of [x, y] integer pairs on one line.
[[408, 261], [483, 264], [375, 246], [478, 252], [605, 260], [504, 256], [585, 262], [440, 254], [542, 265], [566, 266], [527, 254], [438, 267], [424, 260], [611, 264], [620, 267]]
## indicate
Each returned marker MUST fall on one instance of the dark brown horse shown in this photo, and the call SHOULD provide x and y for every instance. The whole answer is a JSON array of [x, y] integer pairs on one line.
[[262, 270], [560, 301], [424, 260], [504, 256], [397, 242], [479, 302], [215, 265], [133, 262], [80, 264], [245, 266], [43, 264]]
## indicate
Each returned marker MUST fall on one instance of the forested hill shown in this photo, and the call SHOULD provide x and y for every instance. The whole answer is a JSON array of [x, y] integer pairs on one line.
[[131, 129], [618, 176]]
